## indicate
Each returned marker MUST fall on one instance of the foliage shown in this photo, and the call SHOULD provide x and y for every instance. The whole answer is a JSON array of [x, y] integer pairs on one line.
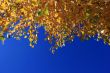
[[62, 20]]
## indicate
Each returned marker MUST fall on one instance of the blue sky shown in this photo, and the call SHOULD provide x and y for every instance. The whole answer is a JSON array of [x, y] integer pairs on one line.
[[76, 57]]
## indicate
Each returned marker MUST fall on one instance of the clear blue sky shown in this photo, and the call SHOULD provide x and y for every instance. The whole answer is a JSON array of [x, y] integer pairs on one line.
[[78, 57]]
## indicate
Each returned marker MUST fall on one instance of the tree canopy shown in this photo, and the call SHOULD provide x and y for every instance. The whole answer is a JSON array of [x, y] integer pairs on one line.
[[62, 20]]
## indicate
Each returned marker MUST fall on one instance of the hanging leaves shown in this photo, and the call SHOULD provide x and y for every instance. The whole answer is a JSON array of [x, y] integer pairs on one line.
[[62, 20]]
